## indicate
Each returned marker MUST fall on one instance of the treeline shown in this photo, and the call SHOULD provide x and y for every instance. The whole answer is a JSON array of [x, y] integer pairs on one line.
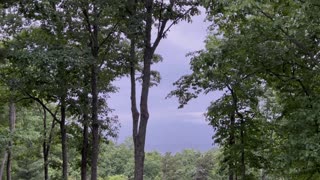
[[116, 162]]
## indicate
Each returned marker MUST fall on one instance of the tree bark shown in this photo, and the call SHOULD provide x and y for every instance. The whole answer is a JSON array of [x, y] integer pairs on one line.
[[94, 103], [141, 128], [95, 125], [231, 144], [12, 121], [64, 140], [44, 146], [243, 165], [85, 132], [139, 146], [3, 163], [93, 30], [47, 141], [139, 156], [84, 150], [138, 150]]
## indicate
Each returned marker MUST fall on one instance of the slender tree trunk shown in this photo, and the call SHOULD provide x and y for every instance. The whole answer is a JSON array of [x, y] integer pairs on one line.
[[93, 30], [45, 145], [231, 144], [9, 165], [94, 105], [140, 137], [243, 166], [3, 163], [12, 121], [84, 151], [48, 146], [95, 125], [140, 127], [64, 140], [85, 133], [138, 150]]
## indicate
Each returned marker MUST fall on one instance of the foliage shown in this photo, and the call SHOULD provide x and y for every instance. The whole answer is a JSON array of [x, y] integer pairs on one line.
[[264, 57]]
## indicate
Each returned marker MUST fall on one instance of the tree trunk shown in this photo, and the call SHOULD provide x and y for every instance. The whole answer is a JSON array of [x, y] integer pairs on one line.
[[138, 150], [64, 140], [94, 111], [94, 92], [243, 166], [85, 133], [84, 151], [3, 163], [140, 127], [12, 121], [45, 145], [48, 146], [9, 165], [140, 136], [95, 126], [139, 160], [231, 144]]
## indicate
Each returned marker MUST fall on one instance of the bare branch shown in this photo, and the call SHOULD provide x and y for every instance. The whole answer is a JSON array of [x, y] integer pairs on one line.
[[44, 106]]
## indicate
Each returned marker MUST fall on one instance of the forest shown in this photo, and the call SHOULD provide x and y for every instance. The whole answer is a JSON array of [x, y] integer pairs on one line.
[[60, 59]]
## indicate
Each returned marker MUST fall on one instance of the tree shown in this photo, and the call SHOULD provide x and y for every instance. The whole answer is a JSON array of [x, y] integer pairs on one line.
[[258, 47], [232, 115], [285, 50], [159, 14]]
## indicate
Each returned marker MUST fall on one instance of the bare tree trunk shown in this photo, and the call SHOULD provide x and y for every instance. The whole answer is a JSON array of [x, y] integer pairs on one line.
[[45, 145], [95, 126], [64, 140], [231, 144], [140, 127], [140, 136], [9, 165], [3, 163], [84, 151], [85, 133], [139, 156], [134, 109], [138, 152], [93, 30], [12, 121], [94, 105], [243, 165]]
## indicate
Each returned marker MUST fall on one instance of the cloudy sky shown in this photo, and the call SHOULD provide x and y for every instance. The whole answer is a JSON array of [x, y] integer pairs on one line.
[[170, 128]]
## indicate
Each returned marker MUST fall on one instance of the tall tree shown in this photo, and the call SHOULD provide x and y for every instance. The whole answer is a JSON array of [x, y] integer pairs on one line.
[[12, 121], [163, 15]]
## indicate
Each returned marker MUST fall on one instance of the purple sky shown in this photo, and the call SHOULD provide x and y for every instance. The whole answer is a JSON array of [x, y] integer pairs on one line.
[[170, 128]]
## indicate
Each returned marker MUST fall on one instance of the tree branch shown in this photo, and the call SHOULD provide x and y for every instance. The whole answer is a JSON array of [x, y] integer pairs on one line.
[[44, 106]]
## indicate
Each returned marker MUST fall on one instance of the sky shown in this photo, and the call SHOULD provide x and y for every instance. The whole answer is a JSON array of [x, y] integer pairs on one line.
[[170, 129]]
